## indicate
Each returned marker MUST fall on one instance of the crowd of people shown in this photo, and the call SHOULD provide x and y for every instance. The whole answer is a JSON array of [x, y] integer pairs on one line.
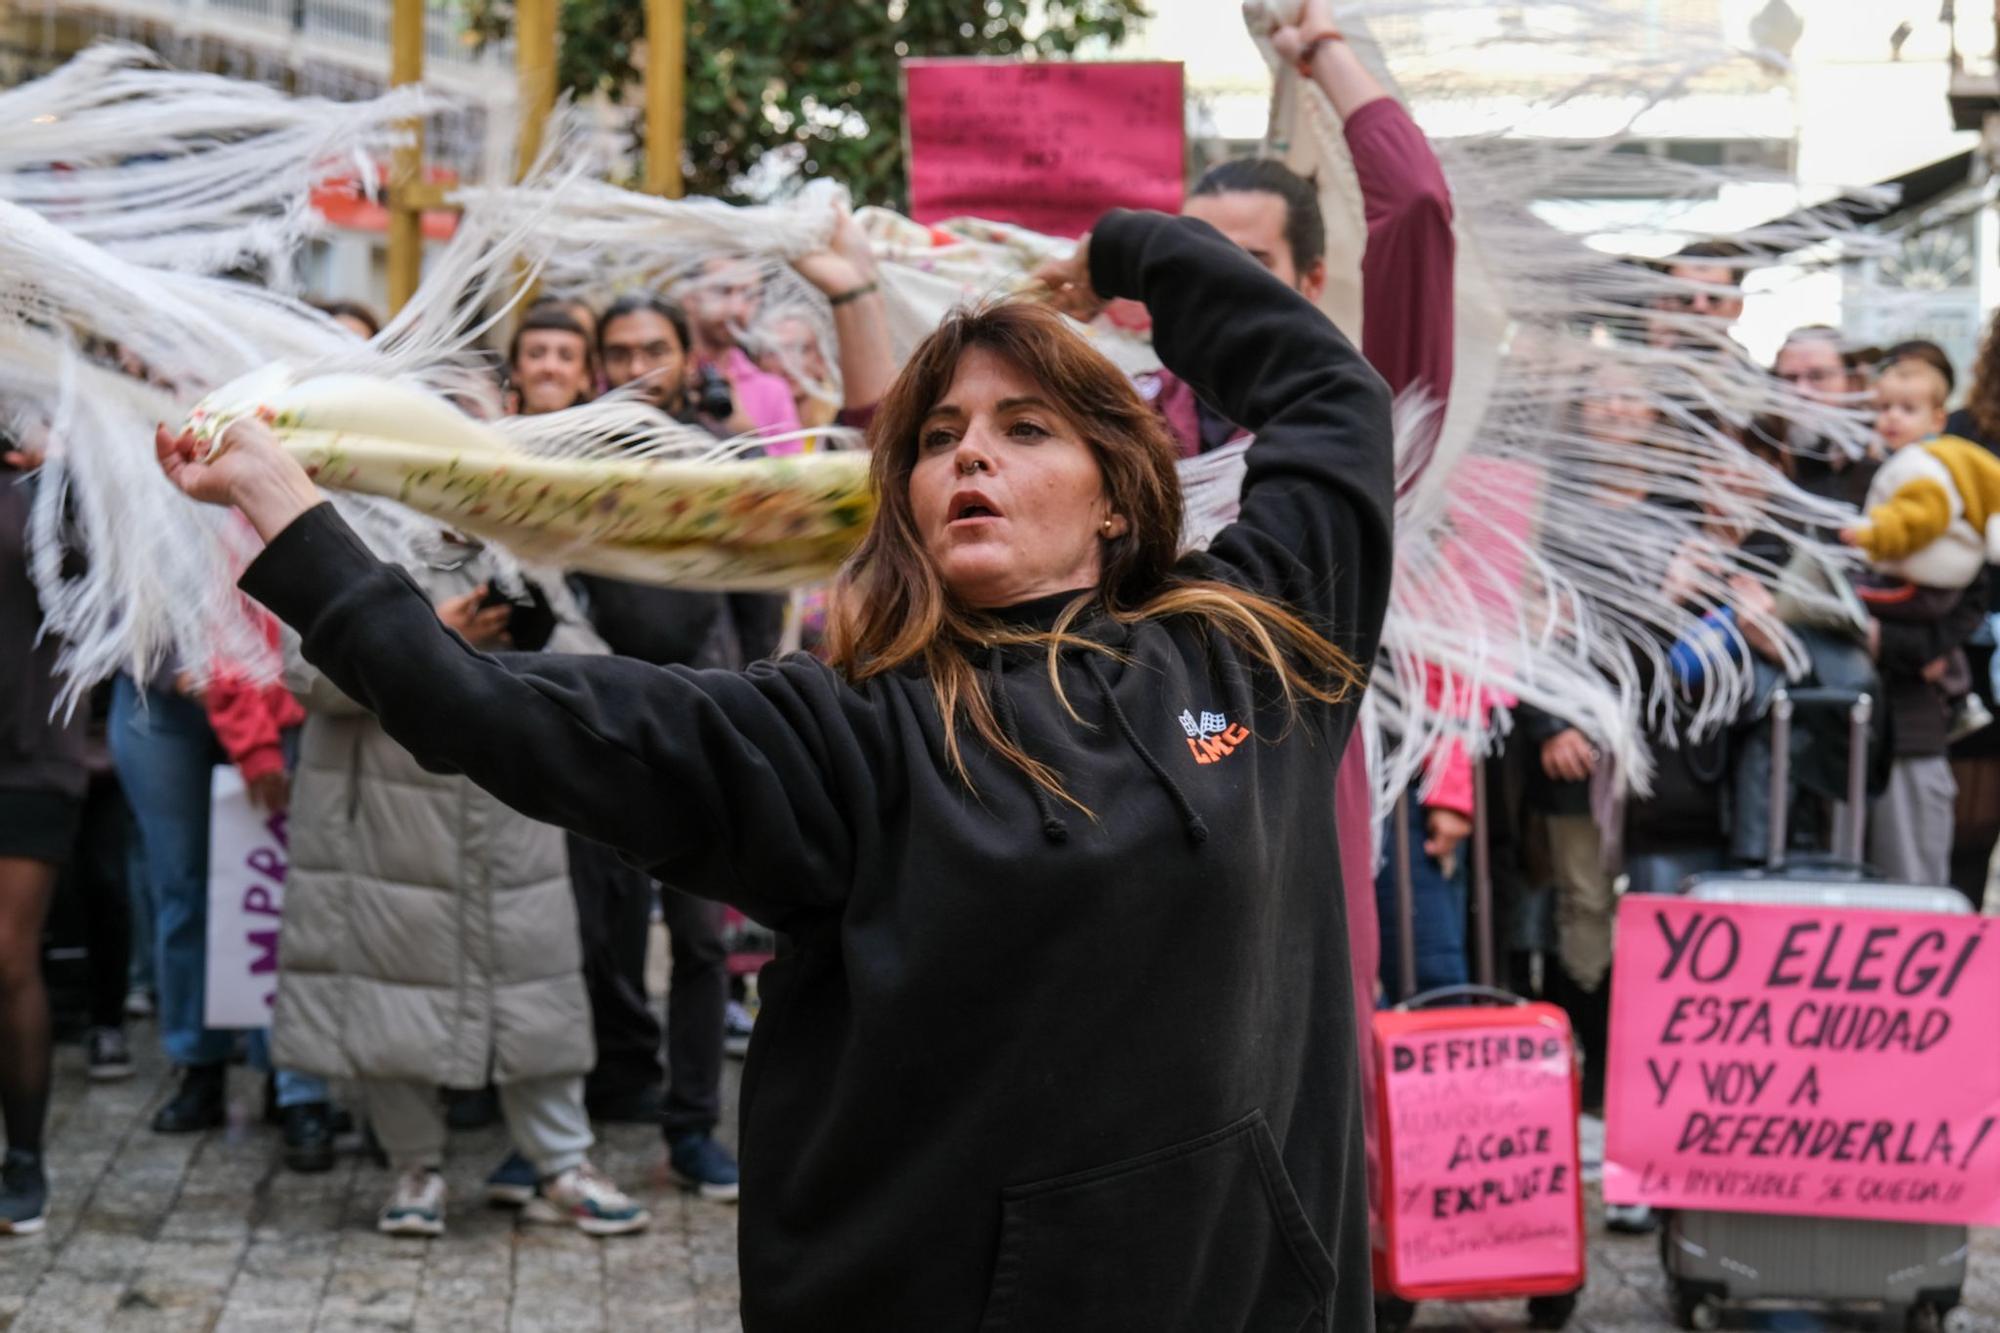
[[462, 945], [446, 962]]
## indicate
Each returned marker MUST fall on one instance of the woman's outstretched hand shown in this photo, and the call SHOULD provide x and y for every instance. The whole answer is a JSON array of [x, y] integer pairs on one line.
[[251, 471], [1068, 283], [847, 264]]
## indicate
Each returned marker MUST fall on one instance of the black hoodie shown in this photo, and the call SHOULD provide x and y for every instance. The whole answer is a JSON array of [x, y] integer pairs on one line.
[[1021, 1069]]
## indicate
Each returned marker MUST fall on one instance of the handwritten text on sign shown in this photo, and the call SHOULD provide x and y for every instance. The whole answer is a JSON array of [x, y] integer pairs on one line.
[[1481, 1136], [1838, 1063], [1046, 146], [247, 860]]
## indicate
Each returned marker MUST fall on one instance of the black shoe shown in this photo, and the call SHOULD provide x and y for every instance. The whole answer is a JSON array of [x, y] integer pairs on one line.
[[640, 1106], [202, 1102], [471, 1110], [309, 1137], [107, 1055], [24, 1193]]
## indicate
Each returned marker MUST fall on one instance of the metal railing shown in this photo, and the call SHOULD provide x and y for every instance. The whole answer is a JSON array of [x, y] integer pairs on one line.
[[302, 34]]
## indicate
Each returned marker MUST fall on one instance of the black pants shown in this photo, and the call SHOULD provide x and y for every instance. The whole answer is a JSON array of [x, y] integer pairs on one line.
[[93, 887], [614, 907]]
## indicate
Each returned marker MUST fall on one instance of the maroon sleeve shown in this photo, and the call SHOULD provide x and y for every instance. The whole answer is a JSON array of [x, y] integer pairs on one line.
[[1407, 292], [1406, 270]]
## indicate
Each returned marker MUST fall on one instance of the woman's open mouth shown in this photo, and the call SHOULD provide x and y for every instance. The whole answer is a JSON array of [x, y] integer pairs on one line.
[[971, 507]]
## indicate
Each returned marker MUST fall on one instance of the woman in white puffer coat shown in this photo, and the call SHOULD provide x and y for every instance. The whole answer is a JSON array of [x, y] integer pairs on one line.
[[430, 940]]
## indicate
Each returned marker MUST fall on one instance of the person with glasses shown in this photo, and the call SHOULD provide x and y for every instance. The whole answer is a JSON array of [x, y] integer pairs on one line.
[[645, 344], [1706, 298], [1817, 362]]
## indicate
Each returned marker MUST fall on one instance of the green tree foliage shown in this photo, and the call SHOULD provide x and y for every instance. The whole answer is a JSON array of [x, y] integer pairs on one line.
[[817, 80]]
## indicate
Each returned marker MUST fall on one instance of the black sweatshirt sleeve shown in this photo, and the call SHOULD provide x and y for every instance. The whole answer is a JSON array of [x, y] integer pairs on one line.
[[743, 786], [1317, 518], [1538, 727]]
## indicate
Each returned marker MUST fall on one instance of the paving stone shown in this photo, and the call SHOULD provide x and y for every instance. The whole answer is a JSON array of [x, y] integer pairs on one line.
[[208, 1233]]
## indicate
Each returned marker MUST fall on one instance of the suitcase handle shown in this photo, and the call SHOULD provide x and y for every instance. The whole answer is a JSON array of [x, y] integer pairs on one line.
[[1824, 696], [1430, 999], [1860, 708]]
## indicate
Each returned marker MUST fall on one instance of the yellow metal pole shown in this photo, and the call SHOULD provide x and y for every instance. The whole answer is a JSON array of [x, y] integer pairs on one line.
[[666, 72], [406, 237], [535, 65]]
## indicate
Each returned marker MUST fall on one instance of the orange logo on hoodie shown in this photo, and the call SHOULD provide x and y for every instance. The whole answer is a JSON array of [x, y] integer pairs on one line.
[[1211, 737]]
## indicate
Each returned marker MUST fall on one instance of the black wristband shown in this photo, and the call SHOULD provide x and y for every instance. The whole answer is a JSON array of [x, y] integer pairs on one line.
[[865, 289]]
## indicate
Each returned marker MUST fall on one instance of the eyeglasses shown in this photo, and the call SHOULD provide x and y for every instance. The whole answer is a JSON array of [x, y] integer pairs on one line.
[[653, 351], [1699, 302]]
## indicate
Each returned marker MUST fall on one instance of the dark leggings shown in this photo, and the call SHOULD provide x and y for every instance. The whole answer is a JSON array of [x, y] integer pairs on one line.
[[25, 889], [95, 882]]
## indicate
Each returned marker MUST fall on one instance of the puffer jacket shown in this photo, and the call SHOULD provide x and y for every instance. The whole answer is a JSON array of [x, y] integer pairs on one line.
[[429, 931]]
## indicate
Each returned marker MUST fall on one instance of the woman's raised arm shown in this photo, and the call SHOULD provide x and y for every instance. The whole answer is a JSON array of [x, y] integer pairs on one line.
[[747, 787], [1316, 521]]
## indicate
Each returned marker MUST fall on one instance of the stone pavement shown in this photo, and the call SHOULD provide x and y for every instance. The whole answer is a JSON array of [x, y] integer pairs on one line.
[[209, 1232]]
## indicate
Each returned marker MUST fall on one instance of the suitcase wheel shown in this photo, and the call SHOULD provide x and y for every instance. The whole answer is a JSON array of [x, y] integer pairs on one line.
[[1926, 1317], [1551, 1311], [1696, 1308], [1393, 1314]]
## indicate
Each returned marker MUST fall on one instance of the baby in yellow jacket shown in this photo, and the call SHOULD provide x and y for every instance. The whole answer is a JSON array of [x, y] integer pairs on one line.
[[1932, 520], [1933, 511]]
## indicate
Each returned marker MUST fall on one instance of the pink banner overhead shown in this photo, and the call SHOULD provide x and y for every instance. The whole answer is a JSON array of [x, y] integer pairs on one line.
[[1045, 145], [1480, 1186], [1836, 1063]]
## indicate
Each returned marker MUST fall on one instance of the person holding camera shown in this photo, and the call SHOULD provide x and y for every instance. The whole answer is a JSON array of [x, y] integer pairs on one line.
[[644, 344], [723, 299]]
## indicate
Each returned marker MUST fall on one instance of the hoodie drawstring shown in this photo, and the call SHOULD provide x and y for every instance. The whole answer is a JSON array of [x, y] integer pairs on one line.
[[1054, 828], [1197, 831]]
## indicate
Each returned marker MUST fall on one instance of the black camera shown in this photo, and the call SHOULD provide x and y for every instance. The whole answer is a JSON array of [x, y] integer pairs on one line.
[[713, 399]]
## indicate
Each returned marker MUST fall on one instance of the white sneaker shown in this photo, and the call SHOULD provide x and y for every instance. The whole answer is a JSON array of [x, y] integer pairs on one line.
[[1970, 716], [585, 1199], [736, 1025], [417, 1206]]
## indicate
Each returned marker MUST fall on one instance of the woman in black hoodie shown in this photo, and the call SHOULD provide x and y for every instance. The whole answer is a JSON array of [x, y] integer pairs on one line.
[[1063, 1039]]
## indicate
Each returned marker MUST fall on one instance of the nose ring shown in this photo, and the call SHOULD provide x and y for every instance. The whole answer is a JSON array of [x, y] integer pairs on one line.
[[971, 466]]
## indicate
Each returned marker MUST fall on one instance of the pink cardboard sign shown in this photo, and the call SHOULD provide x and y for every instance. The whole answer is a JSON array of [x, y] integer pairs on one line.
[[1479, 1139], [1044, 145], [1834, 1063]]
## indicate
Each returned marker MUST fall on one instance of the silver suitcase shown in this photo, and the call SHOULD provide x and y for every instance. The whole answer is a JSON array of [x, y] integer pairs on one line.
[[1717, 1259]]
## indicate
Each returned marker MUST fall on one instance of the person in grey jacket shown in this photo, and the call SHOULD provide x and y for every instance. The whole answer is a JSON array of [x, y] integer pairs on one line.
[[430, 939]]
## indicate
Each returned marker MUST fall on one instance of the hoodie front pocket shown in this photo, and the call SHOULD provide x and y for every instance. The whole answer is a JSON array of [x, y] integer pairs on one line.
[[1206, 1235]]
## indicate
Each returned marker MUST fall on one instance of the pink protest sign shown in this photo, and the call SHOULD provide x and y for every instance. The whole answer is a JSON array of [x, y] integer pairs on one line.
[[1834, 1063], [1480, 1188], [1044, 145]]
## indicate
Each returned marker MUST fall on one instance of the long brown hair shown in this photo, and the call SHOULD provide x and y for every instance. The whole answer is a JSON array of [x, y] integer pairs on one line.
[[1982, 400], [891, 608]]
